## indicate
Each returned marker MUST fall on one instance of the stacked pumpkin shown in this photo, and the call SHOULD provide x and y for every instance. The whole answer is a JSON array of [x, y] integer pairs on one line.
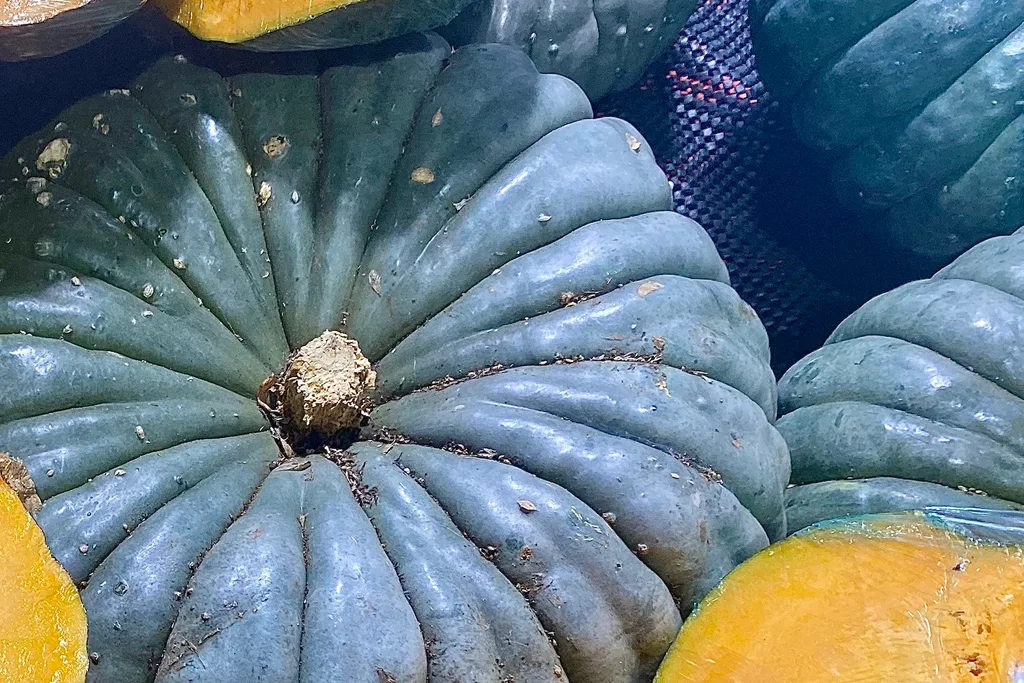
[[565, 411], [401, 369], [915, 107]]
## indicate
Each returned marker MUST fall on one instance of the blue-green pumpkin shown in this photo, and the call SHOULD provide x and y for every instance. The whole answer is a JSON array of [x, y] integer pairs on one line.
[[570, 440], [917, 398], [917, 108]]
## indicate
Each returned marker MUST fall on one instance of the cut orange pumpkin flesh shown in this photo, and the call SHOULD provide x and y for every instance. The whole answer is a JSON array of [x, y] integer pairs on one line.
[[24, 12], [42, 621], [234, 21], [882, 598]]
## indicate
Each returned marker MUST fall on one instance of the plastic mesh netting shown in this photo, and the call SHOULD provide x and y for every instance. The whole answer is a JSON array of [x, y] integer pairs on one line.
[[709, 120]]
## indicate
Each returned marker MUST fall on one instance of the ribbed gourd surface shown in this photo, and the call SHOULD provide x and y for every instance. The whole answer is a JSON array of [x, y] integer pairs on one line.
[[573, 436]]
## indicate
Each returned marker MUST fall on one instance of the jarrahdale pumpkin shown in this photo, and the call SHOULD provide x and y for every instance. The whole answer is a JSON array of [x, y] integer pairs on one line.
[[604, 48], [915, 597], [917, 398], [30, 28], [42, 622], [916, 107], [537, 429]]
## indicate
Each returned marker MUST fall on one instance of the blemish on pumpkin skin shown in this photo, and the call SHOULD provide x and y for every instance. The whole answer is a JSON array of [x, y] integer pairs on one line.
[[647, 287], [422, 175], [374, 279], [276, 146], [263, 195], [746, 312], [98, 124], [54, 157]]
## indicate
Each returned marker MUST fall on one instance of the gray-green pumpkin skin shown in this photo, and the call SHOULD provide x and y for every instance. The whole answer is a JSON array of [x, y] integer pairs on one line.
[[509, 265], [917, 106], [604, 47], [917, 398]]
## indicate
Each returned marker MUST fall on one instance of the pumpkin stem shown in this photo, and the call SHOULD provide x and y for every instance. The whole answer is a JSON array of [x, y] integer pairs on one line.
[[321, 392]]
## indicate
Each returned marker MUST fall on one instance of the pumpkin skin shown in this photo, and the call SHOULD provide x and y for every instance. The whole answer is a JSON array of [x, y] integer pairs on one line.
[[920, 390], [459, 215], [31, 29], [604, 48], [917, 107]]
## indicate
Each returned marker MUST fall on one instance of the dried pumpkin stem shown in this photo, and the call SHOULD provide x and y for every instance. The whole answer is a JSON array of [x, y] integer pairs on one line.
[[322, 389]]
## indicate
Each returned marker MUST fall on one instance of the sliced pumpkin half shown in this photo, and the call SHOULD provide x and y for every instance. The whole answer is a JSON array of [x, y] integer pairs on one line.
[[233, 21], [42, 621], [284, 25], [932, 596]]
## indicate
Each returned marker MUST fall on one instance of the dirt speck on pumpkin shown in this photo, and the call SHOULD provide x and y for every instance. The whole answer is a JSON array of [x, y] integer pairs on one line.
[[572, 298], [54, 157], [527, 506], [374, 279], [276, 146], [662, 383], [385, 676], [436, 119], [422, 175], [188, 99], [263, 195], [353, 471], [634, 144], [100, 125]]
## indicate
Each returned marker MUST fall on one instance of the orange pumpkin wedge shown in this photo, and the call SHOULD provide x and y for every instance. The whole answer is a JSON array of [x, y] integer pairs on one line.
[[233, 21], [42, 621], [286, 25], [935, 596]]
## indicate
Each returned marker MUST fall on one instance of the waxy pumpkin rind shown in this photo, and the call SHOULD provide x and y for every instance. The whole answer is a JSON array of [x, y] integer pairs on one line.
[[916, 107], [923, 384]]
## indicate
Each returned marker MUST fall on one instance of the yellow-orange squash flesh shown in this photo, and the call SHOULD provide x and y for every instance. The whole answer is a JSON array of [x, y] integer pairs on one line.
[[42, 621], [234, 21], [879, 599]]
